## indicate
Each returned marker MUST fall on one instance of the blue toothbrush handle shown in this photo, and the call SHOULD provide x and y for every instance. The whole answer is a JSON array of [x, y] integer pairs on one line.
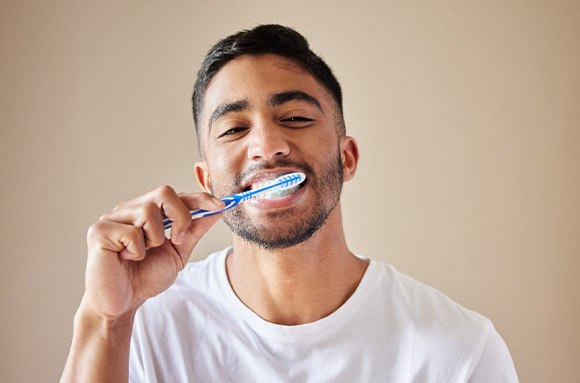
[[230, 202], [283, 182]]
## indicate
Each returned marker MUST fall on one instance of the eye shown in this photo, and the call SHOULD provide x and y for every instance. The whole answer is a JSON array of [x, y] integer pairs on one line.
[[232, 131], [297, 121]]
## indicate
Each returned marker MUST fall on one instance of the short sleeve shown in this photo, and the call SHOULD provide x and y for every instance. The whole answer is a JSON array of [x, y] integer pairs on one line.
[[495, 364]]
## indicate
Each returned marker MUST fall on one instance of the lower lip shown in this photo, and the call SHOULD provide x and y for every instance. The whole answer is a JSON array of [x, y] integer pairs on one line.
[[277, 203]]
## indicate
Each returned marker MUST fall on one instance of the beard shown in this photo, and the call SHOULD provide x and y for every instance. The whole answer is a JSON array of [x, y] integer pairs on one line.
[[284, 229]]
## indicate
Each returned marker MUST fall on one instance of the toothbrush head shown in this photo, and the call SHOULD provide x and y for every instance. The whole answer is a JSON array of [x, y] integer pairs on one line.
[[290, 180]]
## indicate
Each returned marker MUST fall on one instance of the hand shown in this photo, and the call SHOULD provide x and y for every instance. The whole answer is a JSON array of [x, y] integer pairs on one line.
[[129, 257]]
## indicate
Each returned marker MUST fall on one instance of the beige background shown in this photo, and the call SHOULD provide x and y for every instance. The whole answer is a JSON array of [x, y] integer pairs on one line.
[[468, 120]]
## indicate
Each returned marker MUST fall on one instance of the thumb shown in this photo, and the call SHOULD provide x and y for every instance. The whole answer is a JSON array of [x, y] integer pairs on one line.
[[193, 234]]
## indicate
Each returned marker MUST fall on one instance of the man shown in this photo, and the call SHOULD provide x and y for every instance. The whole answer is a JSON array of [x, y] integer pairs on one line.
[[288, 302]]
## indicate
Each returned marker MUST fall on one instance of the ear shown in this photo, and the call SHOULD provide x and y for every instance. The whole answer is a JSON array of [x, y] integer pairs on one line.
[[349, 157], [202, 176]]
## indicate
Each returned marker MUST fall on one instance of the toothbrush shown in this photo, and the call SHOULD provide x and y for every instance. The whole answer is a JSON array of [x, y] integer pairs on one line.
[[284, 182]]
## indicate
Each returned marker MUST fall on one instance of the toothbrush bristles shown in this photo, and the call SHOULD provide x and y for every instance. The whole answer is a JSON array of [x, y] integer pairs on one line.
[[278, 186]]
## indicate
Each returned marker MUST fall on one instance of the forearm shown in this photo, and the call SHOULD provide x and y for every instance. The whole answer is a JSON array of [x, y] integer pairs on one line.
[[100, 349]]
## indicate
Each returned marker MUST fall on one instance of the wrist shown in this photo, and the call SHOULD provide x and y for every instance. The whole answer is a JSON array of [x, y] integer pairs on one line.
[[100, 347], [91, 324]]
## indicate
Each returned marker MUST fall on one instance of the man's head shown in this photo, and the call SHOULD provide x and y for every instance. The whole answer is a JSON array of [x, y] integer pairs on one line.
[[264, 39], [263, 114]]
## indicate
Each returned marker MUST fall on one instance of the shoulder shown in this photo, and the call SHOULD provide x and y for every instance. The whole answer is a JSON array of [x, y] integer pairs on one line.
[[424, 304], [431, 322]]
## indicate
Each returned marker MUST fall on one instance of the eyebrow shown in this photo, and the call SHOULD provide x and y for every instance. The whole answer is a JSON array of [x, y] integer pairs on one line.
[[229, 107], [275, 100], [284, 97]]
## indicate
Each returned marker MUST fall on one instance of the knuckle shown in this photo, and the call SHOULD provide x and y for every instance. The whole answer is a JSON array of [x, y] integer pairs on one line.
[[119, 206], [165, 191], [134, 234], [95, 230], [144, 214], [150, 210]]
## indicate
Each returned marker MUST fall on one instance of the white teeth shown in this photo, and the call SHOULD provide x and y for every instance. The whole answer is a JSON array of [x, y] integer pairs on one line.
[[261, 184], [273, 193], [277, 193]]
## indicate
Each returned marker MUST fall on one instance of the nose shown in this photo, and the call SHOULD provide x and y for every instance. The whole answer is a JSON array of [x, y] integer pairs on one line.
[[268, 142]]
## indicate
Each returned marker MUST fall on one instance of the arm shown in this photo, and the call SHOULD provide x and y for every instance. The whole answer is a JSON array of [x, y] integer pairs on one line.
[[129, 261], [99, 350]]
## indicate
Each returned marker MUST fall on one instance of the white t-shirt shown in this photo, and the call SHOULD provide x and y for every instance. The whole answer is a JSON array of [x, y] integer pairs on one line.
[[392, 329]]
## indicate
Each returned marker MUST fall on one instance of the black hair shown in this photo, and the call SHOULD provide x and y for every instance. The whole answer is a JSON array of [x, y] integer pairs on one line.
[[264, 39]]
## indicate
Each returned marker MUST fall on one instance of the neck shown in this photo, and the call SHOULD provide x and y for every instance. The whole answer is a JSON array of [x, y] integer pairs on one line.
[[300, 284]]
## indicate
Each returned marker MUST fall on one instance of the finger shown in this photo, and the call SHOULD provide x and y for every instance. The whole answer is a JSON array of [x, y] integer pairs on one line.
[[147, 216], [176, 210], [192, 201], [195, 232], [204, 201], [175, 207], [127, 241], [170, 205]]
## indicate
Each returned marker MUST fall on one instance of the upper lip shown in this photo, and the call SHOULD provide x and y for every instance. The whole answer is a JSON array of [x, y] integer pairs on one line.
[[265, 175]]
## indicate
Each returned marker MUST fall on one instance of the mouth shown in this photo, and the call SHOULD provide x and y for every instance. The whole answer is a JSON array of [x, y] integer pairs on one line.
[[265, 180]]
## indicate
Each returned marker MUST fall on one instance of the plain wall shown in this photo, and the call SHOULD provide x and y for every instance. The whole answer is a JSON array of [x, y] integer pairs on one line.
[[467, 115]]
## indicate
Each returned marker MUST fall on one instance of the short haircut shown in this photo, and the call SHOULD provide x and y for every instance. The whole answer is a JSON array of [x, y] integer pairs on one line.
[[265, 39]]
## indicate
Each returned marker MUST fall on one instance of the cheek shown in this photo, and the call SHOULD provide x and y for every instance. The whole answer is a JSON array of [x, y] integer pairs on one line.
[[323, 149], [220, 158], [223, 172]]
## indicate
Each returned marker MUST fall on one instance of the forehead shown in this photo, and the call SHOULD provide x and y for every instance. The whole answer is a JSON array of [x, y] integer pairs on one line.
[[254, 79]]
